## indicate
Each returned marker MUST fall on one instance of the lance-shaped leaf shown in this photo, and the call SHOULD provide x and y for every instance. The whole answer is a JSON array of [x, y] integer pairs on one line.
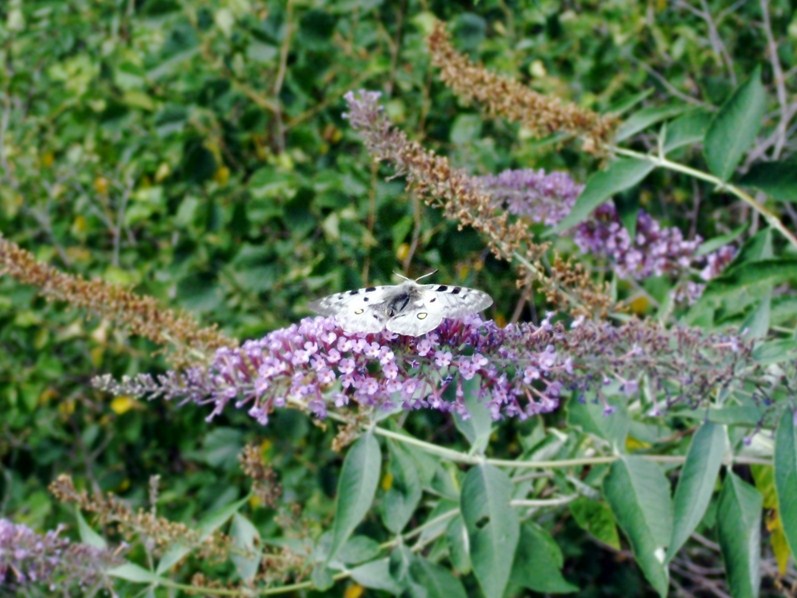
[[645, 117], [619, 176], [738, 527], [696, 484], [776, 179], [246, 540], [539, 561], [137, 574], [402, 489], [492, 524], [742, 278], [436, 581], [689, 128], [734, 128], [376, 575], [210, 523], [786, 475], [639, 495], [356, 489], [476, 428]]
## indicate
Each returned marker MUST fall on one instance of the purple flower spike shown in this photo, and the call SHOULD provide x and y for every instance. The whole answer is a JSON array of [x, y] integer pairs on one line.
[[518, 371], [314, 361], [654, 250], [28, 558]]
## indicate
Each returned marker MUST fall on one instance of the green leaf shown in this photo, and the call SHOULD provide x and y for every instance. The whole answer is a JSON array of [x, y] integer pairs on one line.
[[246, 540], [712, 245], [457, 537], [592, 418], [642, 119], [321, 577], [628, 212], [639, 495], [756, 248], [400, 559], [359, 549], [738, 528], [210, 523], [734, 128], [436, 581], [756, 324], [786, 475], [376, 575], [742, 278], [404, 494], [619, 176], [218, 517], [775, 351], [734, 415], [222, 447], [465, 129], [597, 519], [87, 534], [689, 128], [776, 179], [628, 103], [136, 574], [538, 562], [478, 426], [696, 484], [492, 524], [356, 489]]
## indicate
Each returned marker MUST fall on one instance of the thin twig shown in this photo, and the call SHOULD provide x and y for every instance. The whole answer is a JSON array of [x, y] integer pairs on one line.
[[780, 82]]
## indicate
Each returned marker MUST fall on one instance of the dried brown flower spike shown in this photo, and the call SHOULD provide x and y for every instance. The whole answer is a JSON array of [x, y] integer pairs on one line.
[[502, 96]]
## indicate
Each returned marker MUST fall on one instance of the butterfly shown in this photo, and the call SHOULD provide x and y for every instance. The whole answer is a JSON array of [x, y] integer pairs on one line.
[[407, 308]]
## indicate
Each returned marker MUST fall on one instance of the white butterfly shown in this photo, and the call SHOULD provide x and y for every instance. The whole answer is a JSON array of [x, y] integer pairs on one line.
[[407, 308]]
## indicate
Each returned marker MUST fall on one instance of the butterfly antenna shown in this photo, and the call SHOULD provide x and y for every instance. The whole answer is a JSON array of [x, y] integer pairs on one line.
[[427, 274], [401, 276]]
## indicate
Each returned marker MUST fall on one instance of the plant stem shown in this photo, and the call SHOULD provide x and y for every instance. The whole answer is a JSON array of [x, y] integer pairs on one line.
[[459, 457]]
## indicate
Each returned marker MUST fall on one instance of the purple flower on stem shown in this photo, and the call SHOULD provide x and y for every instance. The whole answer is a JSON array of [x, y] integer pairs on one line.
[[541, 197], [519, 371], [654, 250]]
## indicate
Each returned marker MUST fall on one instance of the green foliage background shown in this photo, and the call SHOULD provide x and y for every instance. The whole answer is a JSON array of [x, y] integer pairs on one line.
[[196, 151]]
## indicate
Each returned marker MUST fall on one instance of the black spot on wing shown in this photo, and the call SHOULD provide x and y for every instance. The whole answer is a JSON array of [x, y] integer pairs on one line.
[[351, 293], [455, 290], [433, 299], [370, 289], [442, 288]]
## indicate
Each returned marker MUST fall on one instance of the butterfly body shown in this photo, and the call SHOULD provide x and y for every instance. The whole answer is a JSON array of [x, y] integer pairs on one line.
[[407, 308]]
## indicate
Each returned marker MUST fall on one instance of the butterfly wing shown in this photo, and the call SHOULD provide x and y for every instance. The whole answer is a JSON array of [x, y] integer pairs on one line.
[[419, 317], [454, 301], [433, 302], [355, 311]]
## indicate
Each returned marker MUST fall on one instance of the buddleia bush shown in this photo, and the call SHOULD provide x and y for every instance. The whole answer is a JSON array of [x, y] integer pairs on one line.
[[187, 178]]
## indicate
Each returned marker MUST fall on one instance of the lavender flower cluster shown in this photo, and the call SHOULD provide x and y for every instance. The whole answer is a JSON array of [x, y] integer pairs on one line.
[[28, 558], [654, 250], [533, 194], [518, 371], [315, 361]]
